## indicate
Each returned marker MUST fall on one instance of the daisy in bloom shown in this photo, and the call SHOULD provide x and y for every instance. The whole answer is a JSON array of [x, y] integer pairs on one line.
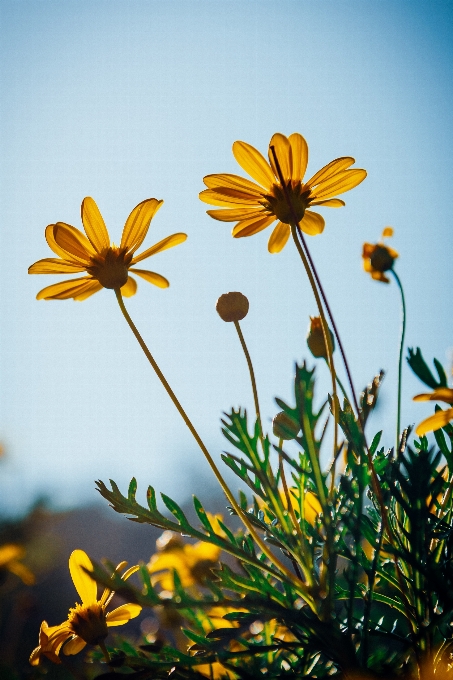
[[106, 265], [87, 623], [440, 418], [379, 258], [256, 205]]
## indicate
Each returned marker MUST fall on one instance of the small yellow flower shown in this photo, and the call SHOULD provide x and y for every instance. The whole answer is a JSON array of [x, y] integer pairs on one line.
[[10, 556], [88, 622], [192, 562], [379, 258], [440, 418], [106, 265], [256, 206]]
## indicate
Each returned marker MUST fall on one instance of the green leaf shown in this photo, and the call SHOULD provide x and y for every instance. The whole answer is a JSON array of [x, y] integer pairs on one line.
[[422, 371], [176, 511]]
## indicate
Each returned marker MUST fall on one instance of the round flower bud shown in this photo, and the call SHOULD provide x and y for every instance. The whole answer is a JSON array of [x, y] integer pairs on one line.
[[232, 306], [315, 338], [381, 258], [284, 426]]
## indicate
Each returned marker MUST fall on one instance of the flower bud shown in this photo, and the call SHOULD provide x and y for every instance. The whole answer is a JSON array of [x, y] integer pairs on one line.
[[232, 306], [284, 426], [315, 338], [381, 259]]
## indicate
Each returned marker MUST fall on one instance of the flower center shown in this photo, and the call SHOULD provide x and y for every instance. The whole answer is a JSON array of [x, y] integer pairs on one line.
[[277, 204], [89, 622], [380, 259], [110, 268]]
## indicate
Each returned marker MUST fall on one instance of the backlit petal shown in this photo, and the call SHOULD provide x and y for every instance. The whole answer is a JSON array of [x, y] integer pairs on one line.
[[251, 227], [235, 214], [279, 237], [168, 242], [73, 242], [440, 394], [283, 151], [339, 184], [152, 277], [299, 148], [65, 289], [435, 422], [137, 224], [235, 182], [123, 614], [130, 287], [53, 245], [11, 551], [387, 232], [94, 225], [51, 265], [332, 168], [227, 198], [312, 223], [74, 646], [254, 163], [89, 289], [330, 203], [84, 584]]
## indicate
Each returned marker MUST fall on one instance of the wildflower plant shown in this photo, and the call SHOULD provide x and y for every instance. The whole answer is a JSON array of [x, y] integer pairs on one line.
[[338, 570]]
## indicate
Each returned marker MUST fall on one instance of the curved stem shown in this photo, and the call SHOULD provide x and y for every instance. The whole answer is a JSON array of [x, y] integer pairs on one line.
[[252, 378], [243, 515], [105, 652], [400, 359]]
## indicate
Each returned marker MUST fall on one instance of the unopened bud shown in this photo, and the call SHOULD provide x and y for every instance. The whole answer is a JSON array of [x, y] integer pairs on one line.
[[315, 338], [284, 426], [232, 306]]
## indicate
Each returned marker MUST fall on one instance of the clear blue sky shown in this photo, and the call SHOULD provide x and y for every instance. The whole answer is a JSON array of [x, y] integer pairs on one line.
[[128, 100]]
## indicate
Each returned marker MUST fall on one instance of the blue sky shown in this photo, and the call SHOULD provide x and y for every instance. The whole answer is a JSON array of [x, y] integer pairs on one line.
[[124, 101]]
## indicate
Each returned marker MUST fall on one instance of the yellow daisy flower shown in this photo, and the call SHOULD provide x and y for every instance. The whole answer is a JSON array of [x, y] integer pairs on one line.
[[87, 623], [256, 206], [379, 258], [106, 265], [440, 418], [10, 556]]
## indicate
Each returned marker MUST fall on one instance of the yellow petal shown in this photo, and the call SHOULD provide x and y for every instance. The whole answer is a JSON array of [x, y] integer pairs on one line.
[[51, 265], [11, 551], [73, 242], [123, 614], [332, 168], [22, 572], [339, 184], [251, 227], [227, 198], [152, 277], [254, 163], [330, 203], [65, 289], [235, 214], [84, 584], [53, 245], [74, 646], [137, 224], [130, 287], [282, 149], [235, 182], [94, 225], [435, 422], [279, 237], [387, 232], [312, 223], [440, 394], [168, 242], [299, 150], [130, 571], [89, 289]]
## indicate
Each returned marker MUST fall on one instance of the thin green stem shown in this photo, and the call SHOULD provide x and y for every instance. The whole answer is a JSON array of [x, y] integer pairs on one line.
[[400, 358], [252, 378], [105, 652]]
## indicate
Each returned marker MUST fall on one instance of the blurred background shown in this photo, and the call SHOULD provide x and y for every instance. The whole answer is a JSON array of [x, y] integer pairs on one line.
[[124, 101]]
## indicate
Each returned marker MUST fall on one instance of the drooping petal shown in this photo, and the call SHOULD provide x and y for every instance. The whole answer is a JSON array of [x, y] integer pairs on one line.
[[299, 148], [152, 277], [84, 584], [227, 198], [11, 551], [312, 223], [283, 151], [22, 572], [123, 614], [73, 242], [65, 289], [130, 287], [330, 203], [254, 163], [50, 265], [332, 168], [168, 242], [87, 291], [368, 249], [339, 184], [94, 225], [235, 214], [137, 224], [235, 182], [253, 226], [439, 394], [435, 422], [53, 245], [74, 646], [279, 237]]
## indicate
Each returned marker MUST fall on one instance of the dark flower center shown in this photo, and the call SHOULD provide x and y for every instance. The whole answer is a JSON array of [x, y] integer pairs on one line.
[[380, 259], [89, 622], [111, 267], [277, 204]]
